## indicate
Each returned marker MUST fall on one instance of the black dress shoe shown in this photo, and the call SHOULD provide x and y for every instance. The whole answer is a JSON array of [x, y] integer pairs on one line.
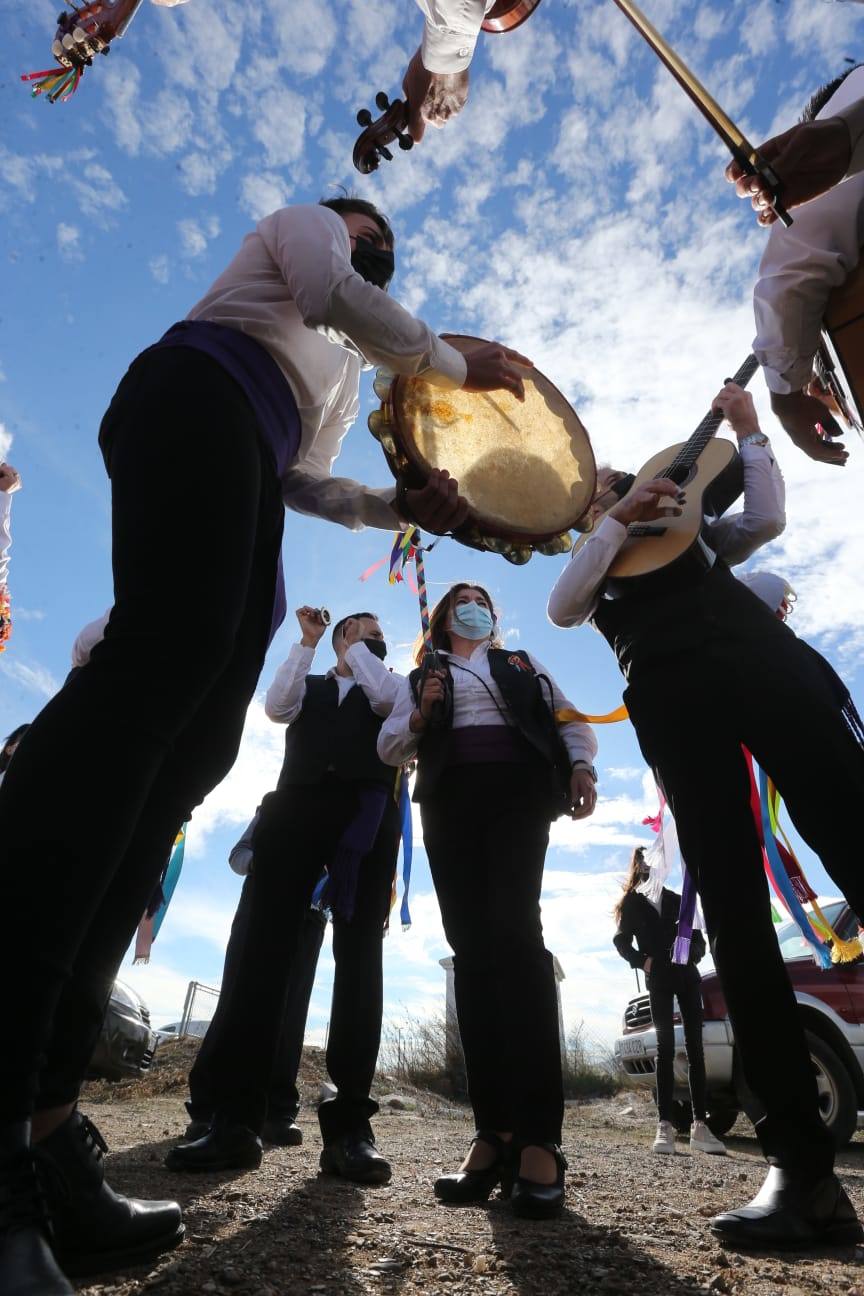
[[532, 1200], [94, 1228], [792, 1212], [282, 1131], [225, 1146], [466, 1186], [196, 1129], [355, 1157], [27, 1264]]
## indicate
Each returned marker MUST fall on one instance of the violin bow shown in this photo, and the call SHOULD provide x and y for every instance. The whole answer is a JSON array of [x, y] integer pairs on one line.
[[737, 143]]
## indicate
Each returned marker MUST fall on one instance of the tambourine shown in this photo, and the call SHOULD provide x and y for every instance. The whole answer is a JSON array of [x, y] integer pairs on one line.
[[526, 469]]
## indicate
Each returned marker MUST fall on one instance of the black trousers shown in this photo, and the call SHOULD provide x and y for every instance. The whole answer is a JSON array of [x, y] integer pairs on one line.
[[667, 982], [90, 804], [691, 721], [486, 829], [248, 1022], [283, 1098]]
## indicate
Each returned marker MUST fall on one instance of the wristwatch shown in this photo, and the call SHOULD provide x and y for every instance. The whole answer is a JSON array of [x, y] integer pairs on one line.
[[589, 769], [754, 438]]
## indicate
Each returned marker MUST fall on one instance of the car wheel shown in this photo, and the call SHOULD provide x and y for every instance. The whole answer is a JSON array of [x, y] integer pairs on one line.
[[838, 1103], [721, 1119]]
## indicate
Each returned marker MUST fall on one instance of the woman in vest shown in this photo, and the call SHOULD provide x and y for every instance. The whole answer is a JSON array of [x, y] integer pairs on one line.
[[649, 916], [493, 771]]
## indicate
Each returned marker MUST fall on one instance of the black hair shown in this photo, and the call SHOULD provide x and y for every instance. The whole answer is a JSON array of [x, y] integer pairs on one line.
[[818, 101], [15, 736], [363, 208], [352, 616]]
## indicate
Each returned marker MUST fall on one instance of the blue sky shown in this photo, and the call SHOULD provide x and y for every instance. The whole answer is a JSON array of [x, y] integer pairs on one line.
[[576, 211]]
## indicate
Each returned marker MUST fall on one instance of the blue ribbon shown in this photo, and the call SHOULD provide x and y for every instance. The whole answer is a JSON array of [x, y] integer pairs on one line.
[[170, 880], [781, 877]]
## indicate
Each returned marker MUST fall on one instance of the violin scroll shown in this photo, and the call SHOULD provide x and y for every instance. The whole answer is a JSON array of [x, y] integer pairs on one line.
[[371, 145]]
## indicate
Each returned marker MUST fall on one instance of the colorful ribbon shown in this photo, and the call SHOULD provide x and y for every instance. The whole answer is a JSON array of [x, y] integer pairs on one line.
[[55, 83], [566, 714], [150, 924]]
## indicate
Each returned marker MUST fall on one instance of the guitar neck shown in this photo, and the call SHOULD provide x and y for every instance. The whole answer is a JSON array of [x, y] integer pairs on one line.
[[689, 453]]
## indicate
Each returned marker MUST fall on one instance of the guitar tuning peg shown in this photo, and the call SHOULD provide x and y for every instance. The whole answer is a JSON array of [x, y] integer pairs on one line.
[[382, 101], [364, 117]]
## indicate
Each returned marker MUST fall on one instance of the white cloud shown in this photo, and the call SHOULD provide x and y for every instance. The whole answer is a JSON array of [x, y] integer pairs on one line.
[[6, 439], [32, 676], [195, 235], [160, 268], [263, 192], [69, 242]]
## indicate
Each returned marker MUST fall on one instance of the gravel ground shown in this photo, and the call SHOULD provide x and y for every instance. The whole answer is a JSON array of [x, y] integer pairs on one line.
[[634, 1223]]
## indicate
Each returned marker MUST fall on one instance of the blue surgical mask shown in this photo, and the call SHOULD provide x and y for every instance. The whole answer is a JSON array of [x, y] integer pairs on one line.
[[472, 621]]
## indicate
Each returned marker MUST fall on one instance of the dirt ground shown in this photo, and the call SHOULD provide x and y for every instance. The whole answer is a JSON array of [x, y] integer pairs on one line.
[[634, 1223]]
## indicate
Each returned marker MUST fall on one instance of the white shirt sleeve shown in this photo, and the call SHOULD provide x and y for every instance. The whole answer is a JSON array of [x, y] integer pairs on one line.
[[802, 265], [575, 593], [285, 695], [396, 742], [240, 858], [5, 535], [309, 488], [451, 32], [380, 685], [579, 738], [88, 638], [311, 247], [736, 536]]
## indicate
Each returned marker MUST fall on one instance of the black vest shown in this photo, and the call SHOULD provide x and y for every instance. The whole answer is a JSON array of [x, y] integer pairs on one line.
[[326, 736], [657, 625], [526, 704]]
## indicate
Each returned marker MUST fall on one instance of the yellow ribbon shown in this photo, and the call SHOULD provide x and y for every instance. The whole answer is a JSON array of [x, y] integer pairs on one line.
[[566, 714]]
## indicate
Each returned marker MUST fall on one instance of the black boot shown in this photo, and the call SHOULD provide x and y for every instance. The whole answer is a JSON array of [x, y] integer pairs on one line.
[[281, 1131], [354, 1156], [535, 1200], [466, 1186], [94, 1228], [27, 1264], [792, 1212], [225, 1146]]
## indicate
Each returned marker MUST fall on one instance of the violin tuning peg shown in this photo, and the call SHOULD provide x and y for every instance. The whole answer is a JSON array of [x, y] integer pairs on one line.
[[385, 153], [364, 117], [406, 142], [382, 101]]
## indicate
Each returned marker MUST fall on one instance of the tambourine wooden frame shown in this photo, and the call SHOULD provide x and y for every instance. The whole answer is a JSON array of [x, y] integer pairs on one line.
[[408, 465]]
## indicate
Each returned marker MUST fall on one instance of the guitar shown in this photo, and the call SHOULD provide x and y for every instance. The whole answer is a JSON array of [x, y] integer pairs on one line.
[[711, 472], [88, 30], [392, 126], [843, 348]]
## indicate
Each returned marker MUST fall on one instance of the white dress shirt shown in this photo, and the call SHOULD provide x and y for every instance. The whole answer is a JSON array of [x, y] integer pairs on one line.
[[5, 535], [802, 265], [292, 287], [472, 705], [240, 857], [733, 538], [285, 695], [451, 31], [88, 638]]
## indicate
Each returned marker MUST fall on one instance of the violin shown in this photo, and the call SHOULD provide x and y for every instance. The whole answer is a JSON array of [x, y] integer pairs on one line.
[[392, 126]]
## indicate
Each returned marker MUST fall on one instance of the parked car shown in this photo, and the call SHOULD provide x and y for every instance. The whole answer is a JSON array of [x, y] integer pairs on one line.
[[831, 1004], [126, 1043]]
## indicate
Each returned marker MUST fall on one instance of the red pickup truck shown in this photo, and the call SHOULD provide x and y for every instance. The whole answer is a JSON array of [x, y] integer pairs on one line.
[[831, 1004]]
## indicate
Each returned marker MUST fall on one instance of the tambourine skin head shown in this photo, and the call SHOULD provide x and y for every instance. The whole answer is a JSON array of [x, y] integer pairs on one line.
[[526, 470]]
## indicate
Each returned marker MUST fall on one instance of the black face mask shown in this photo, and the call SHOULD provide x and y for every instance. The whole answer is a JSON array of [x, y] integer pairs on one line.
[[376, 265], [622, 485], [377, 647]]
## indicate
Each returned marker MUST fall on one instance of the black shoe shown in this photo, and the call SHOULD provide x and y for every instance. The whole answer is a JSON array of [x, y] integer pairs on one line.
[[533, 1200], [792, 1212], [281, 1131], [355, 1157], [465, 1186], [94, 1228], [27, 1264], [196, 1129], [225, 1146]]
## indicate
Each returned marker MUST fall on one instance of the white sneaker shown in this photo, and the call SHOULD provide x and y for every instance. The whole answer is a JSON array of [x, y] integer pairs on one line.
[[702, 1140], [665, 1139]]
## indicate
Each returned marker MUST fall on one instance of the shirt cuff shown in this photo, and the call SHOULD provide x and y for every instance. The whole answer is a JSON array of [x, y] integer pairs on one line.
[[611, 529], [794, 379], [853, 116], [449, 367], [300, 653], [444, 51]]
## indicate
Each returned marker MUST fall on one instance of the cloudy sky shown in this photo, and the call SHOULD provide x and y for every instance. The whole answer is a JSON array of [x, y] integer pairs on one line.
[[576, 211]]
